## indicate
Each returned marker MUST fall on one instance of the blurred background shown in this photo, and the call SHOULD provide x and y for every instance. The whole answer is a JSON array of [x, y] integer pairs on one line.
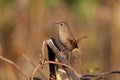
[[25, 24]]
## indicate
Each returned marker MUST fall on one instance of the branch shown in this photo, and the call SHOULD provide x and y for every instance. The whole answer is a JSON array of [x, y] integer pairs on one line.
[[51, 62], [15, 65], [60, 56], [36, 68], [102, 74], [64, 65], [25, 56]]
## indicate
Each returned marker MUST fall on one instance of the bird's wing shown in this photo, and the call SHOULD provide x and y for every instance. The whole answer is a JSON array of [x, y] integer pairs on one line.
[[73, 42]]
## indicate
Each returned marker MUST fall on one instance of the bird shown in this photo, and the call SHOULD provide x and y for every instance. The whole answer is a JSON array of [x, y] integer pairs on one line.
[[66, 38]]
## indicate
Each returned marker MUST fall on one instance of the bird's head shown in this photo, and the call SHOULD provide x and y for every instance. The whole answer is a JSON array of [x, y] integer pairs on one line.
[[61, 24]]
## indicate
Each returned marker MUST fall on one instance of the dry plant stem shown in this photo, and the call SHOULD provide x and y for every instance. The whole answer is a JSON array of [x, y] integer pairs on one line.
[[37, 67], [102, 74], [15, 65], [43, 48], [60, 56], [52, 62], [41, 58], [58, 63], [31, 63], [28, 60]]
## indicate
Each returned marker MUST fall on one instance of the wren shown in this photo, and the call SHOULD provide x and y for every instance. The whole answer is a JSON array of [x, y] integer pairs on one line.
[[66, 37]]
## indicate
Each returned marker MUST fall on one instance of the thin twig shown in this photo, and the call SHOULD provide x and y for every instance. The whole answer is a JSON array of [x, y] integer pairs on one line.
[[58, 63], [15, 65], [43, 48], [37, 67], [101, 74], [28, 59], [52, 62], [32, 64]]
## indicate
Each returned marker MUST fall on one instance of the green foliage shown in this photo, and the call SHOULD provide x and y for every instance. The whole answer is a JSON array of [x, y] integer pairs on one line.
[[52, 3], [72, 2], [6, 2], [82, 8]]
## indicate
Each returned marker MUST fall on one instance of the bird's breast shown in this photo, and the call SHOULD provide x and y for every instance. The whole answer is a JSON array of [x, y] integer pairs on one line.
[[65, 38]]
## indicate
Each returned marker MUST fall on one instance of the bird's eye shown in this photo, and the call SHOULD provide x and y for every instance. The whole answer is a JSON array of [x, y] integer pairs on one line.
[[62, 24]]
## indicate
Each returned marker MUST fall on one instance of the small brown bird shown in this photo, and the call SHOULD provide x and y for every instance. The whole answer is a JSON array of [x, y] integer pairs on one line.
[[66, 37]]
